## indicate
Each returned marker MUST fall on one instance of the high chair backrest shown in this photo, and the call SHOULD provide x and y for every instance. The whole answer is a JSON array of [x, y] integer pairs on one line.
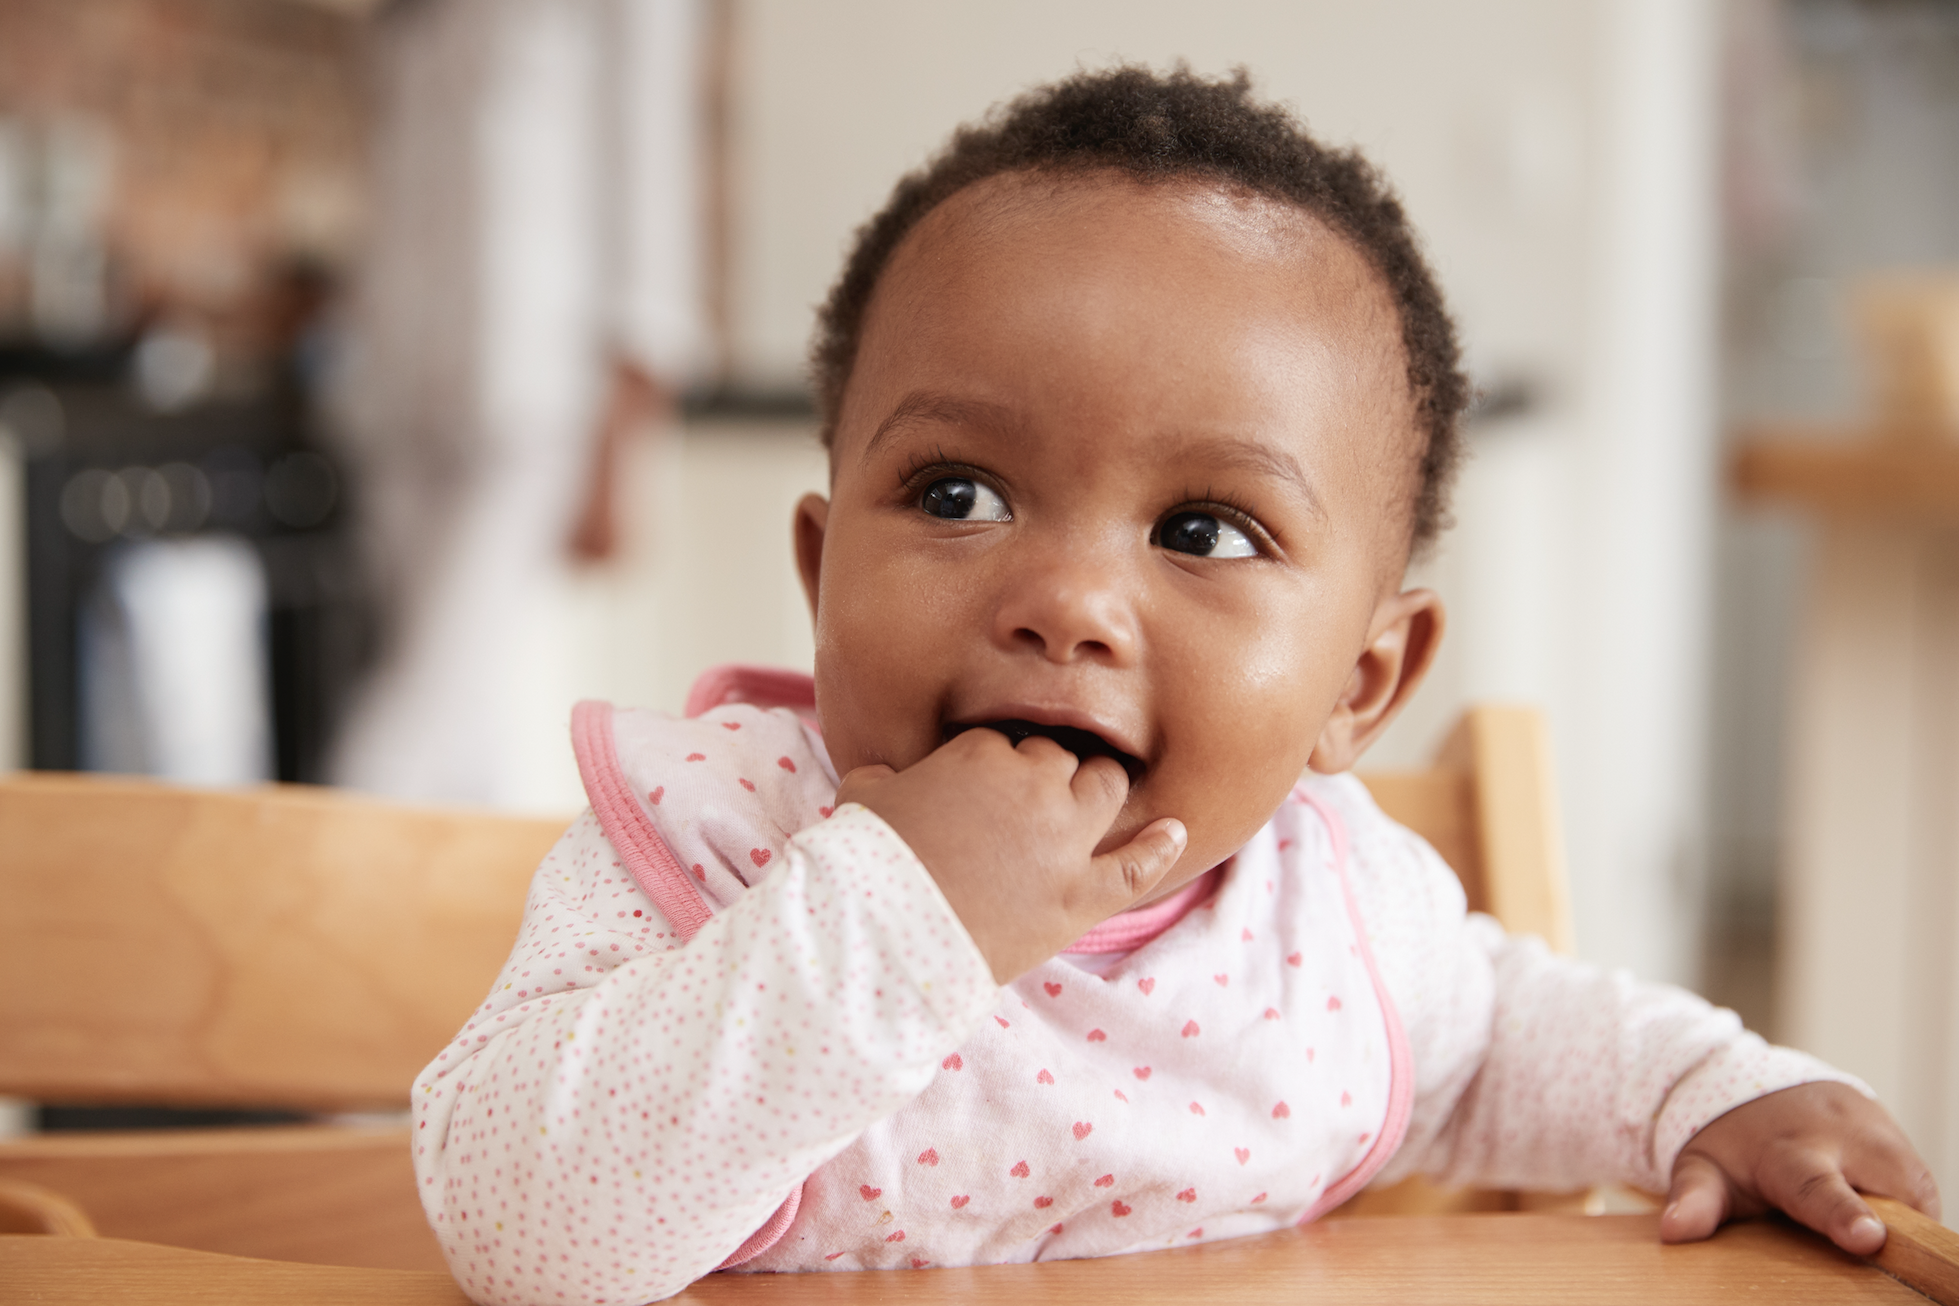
[[278, 947], [1489, 806]]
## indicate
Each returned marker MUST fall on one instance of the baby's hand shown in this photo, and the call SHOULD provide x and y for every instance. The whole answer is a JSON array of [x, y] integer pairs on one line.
[[1804, 1150], [1010, 834]]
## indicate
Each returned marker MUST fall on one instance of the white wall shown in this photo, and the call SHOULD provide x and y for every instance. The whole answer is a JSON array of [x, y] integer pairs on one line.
[[1556, 155]]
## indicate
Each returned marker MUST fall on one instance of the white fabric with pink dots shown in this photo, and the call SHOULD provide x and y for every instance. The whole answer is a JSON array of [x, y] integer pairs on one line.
[[826, 1076]]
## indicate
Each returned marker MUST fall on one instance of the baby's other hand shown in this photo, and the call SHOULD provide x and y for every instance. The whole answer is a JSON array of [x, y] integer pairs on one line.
[[1009, 833], [1805, 1150]]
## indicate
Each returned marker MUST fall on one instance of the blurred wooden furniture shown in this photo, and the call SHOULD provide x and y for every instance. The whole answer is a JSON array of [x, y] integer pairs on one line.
[[1868, 977], [1496, 1259], [282, 947]]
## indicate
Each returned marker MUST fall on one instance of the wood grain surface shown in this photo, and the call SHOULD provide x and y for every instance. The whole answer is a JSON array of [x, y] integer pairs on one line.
[[1463, 1260], [325, 1194], [283, 946]]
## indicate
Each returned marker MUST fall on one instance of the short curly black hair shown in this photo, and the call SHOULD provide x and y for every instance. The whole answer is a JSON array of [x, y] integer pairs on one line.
[[1157, 127]]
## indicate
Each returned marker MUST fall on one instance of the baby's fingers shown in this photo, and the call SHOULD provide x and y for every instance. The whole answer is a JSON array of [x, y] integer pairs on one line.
[[860, 781], [1699, 1200], [1810, 1187], [1134, 869]]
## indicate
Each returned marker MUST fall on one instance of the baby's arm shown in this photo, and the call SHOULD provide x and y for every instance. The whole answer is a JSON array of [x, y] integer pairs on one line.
[[1538, 1072], [617, 1120]]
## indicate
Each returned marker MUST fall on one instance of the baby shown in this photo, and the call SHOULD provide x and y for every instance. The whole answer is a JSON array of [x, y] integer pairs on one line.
[[1137, 400]]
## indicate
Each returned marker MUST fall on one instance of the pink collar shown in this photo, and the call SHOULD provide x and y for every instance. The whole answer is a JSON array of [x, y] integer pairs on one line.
[[1129, 930]]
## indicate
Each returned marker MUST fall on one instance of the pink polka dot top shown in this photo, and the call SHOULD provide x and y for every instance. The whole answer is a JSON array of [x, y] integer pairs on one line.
[[742, 1030]]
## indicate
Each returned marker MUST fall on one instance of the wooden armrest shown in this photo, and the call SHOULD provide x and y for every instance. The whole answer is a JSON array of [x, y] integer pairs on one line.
[[30, 1208], [1920, 1252]]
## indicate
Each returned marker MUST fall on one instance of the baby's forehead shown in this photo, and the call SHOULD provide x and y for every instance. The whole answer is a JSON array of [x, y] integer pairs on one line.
[[986, 244]]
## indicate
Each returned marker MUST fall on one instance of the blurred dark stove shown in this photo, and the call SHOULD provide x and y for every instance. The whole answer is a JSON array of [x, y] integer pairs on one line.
[[105, 464]]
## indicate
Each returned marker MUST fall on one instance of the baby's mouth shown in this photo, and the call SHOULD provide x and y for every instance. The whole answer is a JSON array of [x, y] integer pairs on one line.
[[1084, 744]]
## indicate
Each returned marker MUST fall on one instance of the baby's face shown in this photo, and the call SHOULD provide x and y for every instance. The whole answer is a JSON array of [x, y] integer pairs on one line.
[[1133, 467]]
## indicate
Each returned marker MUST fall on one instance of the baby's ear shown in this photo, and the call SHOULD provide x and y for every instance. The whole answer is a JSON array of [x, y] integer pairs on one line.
[[812, 517], [1401, 644]]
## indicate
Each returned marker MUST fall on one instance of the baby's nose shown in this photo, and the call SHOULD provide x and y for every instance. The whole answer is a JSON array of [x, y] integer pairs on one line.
[[1070, 607]]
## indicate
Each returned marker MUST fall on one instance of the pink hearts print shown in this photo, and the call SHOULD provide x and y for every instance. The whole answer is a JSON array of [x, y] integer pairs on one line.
[[1044, 1078], [1295, 959], [960, 1201], [1187, 1195], [1271, 1013], [700, 873], [1054, 990], [1003, 1022], [1261, 1197], [1246, 935], [869, 1193], [655, 797], [1221, 980], [760, 856], [747, 784], [1097, 1036], [731, 725], [1083, 1129], [1106, 1181], [786, 765], [951, 1063], [1197, 1108], [1141, 1072], [1119, 1208], [1148, 986], [702, 757], [1190, 1029], [1020, 1170], [1333, 1003], [897, 1237], [1346, 1098], [919, 1262], [930, 1156], [1042, 1203], [1056, 1229], [1281, 1111], [825, 812], [1243, 1154]]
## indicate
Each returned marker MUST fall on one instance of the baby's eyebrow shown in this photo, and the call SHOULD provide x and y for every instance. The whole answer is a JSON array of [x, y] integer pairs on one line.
[[927, 406], [1239, 453]]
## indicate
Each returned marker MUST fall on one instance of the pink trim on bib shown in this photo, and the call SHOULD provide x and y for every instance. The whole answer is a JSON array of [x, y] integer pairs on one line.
[[1401, 1086], [769, 1234], [765, 687], [1129, 930], [633, 836]]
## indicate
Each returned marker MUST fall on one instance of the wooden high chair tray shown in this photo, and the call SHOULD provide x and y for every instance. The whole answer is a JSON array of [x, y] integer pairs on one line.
[[1458, 1259]]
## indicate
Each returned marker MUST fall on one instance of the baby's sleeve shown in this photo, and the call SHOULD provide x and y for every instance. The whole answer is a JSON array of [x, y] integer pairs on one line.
[[1535, 1071], [626, 1110]]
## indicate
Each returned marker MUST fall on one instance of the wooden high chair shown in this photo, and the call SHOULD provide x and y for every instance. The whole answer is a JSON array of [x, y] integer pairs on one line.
[[275, 948]]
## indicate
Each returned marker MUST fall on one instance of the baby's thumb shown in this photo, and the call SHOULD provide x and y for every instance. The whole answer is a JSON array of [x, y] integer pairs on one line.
[[1135, 868]]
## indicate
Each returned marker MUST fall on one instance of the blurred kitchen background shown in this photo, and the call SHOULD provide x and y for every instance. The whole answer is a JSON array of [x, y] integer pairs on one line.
[[378, 377]]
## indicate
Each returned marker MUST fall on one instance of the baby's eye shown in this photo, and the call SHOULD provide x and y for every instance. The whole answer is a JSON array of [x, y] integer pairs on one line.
[[956, 498], [1203, 535]]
